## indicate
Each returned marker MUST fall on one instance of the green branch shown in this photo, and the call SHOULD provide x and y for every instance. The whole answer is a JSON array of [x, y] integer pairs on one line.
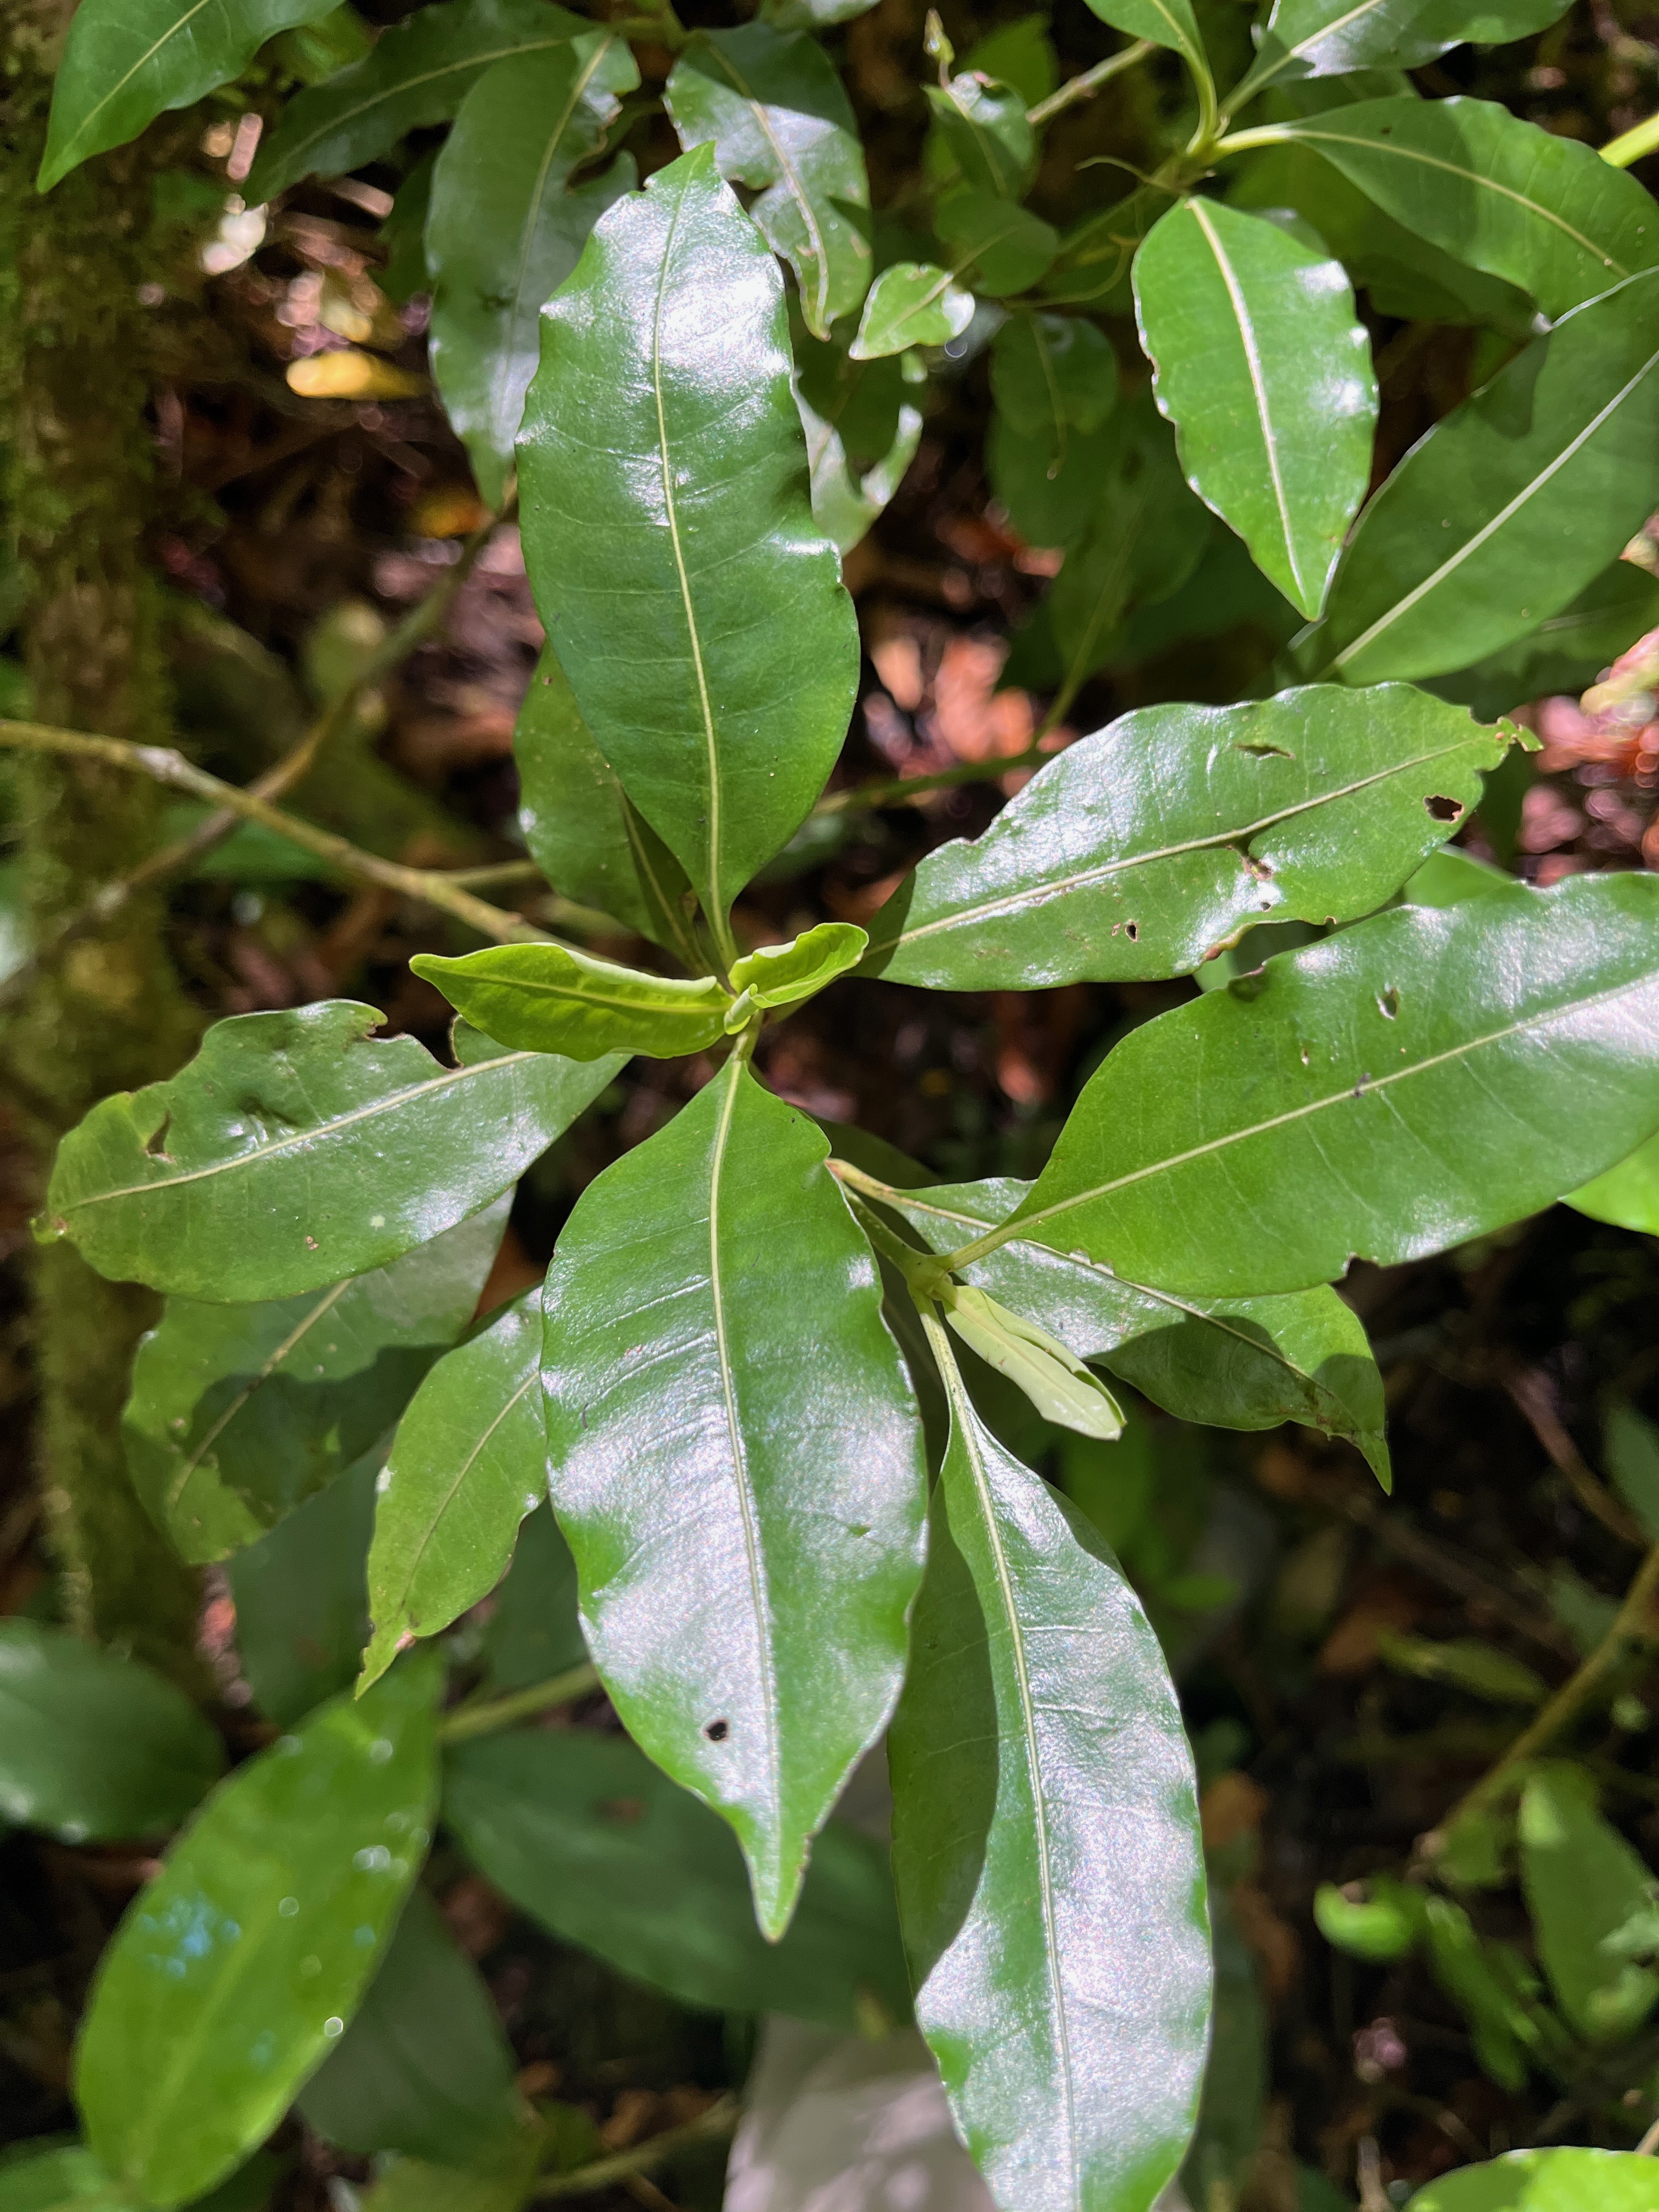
[[1086, 86], [718, 2121], [486, 1716]]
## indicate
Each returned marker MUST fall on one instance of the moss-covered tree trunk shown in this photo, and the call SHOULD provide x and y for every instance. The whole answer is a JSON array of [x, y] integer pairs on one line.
[[73, 392]]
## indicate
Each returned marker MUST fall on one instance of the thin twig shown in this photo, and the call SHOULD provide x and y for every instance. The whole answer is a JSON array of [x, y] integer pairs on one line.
[[112, 898], [164, 765], [485, 1716], [901, 790], [1085, 87], [718, 2121], [1531, 1391], [1633, 1626]]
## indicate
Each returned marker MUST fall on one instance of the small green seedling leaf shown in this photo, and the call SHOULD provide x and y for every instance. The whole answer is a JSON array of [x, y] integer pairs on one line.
[[1555, 2180], [785, 974], [541, 997], [93, 1747], [998, 246], [237, 1968], [1463, 1664], [1626, 1195], [1584, 1885], [1055, 1381], [984, 125], [1383, 1926], [911, 304]]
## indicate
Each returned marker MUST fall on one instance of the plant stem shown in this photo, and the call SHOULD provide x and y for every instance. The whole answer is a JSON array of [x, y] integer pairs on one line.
[[112, 898], [486, 1716], [163, 765], [1086, 86], [1633, 1626], [1632, 145], [901, 790], [718, 2121]]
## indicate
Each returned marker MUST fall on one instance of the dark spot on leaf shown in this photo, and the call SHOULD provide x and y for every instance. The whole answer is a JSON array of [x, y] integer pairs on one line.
[[1444, 809], [156, 1146], [1132, 931], [717, 1731], [1261, 750], [626, 1810], [1361, 1087], [1388, 1003], [858, 1528]]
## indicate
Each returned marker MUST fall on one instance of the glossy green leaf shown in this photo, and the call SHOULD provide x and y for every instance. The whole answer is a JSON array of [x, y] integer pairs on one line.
[[1329, 38], [1583, 1883], [1262, 366], [747, 1560], [1039, 1365], [1543, 212], [583, 834], [92, 1745], [535, 1631], [234, 1971], [585, 1834], [468, 1462], [64, 2178], [423, 2067], [239, 1413], [1626, 1195], [912, 304], [1554, 2180], [1567, 653], [301, 1597], [846, 503], [698, 615], [1562, 445], [1145, 535], [1169, 23], [770, 104], [504, 232], [984, 124], [296, 1149], [1138, 849], [1051, 1894], [544, 998], [1230, 1363], [785, 974], [126, 62], [413, 2185], [996, 247], [1410, 1083], [418, 73], [1052, 374], [403, 237], [1051, 480]]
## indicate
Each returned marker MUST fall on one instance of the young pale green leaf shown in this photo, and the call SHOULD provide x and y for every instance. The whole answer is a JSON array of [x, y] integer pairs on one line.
[[424, 2067], [984, 124], [585, 1834], [705, 632], [1543, 212], [503, 233], [301, 1598], [1262, 366], [239, 1413], [417, 73], [62, 2178], [583, 834], [1463, 1662], [1583, 1883], [784, 975], [543, 998], [1053, 1378], [1554, 2180], [770, 104], [1144, 846], [912, 304], [296, 1149], [1230, 1363], [1626, 1195], [1052, 1897], [1052, 374], [1418, 1079], [748, 1556], [95, 1746], [812, 15], [535, 1631], [126, 62], [468, 1462], [844, 505], [237, 1967], [1169, 23], [1329, 38], [1562, 447], [996, 247]]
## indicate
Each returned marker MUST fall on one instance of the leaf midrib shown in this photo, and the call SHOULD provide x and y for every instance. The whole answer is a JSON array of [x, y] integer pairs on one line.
[[1346, 1093], [172, 31], [285, 1350], [259, 1154], [789, 176], [479, 1445], [1041, 894]]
